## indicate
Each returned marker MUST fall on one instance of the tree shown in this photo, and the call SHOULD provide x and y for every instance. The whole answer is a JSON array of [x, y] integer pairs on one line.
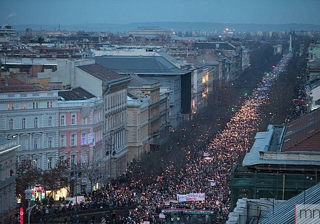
[[27, 175], [54, 179], [91, 172]]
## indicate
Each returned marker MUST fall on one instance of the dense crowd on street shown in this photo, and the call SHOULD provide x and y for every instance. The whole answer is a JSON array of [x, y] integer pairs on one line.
[[208, 170]]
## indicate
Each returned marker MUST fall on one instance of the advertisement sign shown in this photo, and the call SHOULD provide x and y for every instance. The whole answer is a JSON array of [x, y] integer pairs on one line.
[[92, 139]]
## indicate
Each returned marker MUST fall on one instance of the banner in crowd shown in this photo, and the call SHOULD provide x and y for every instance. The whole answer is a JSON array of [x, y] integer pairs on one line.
[[187, 211], [191, 197], [170, 201], [212, 183]]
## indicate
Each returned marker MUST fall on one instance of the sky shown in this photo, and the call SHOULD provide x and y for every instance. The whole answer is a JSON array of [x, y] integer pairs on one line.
[[72, 12]]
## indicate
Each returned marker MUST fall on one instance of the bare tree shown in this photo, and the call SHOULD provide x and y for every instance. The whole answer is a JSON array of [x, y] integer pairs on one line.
[[27, 175], [55, 178]]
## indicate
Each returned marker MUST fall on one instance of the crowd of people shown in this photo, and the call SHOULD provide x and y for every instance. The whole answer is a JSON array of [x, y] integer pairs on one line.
[[208, 170]]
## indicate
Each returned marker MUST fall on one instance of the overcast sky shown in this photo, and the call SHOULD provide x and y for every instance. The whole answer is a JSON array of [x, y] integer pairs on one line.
[[70, 12]]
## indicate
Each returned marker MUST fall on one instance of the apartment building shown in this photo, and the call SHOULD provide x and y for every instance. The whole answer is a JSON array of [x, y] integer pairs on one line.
[[112, 88], [148, 117], [8, 148]]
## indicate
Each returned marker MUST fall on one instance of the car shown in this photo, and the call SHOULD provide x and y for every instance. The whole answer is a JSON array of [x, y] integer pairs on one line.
[[71, 201]]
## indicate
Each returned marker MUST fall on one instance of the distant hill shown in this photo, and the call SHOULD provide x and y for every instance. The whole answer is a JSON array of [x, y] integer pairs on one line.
[[177, 26]]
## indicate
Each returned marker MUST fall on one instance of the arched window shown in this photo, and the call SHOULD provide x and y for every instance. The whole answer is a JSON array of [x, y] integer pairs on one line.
[[11, 124], [23, 123], [35, 122], [73, 119], [50, 121], [62, 120]]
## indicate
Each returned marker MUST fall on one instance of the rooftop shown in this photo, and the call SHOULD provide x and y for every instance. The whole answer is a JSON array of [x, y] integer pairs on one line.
[[139, 65], [10, 84], [4, 140], [214, 45], [285, 212], [137, 81], [296, 143], [75, 94], [100, 72], [303, 133]]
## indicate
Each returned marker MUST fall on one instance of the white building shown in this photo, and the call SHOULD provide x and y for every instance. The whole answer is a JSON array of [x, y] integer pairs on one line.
[[8, 201], [33, 118]]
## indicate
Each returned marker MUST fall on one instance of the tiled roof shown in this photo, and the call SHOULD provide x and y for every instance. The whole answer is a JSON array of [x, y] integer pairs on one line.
[[214, 45], [75, 94], [303, 134], [100, 72], [193, 61], [16, 85], [139, 65]]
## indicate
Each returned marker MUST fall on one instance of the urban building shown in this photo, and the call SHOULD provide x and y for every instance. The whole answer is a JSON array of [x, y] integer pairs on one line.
[[157, 68], [112, 88], [148, 118], [80, 137], [31, 114], [150, 32], [283, 161], [8, 202]]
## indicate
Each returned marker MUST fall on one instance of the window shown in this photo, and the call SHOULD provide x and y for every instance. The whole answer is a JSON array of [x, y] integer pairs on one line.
[[23, 105], [50, 121], [35, 143], [73, 119], [62, 140], [24, 143], [49, 142], [11, 124], [62, 120], [72, 159], [84, 139], [49, 104], [84, 158], [49, 162], [23, 123], [34, 105], [73, 141], [35, 122]]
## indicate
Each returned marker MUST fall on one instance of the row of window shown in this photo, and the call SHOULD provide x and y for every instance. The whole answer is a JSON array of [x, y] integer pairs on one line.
[[50, 161], [116, 119], [116, 100], [35, 123], [49, 122], [33, 105], [36, 141], [36, 162], [73, 139]]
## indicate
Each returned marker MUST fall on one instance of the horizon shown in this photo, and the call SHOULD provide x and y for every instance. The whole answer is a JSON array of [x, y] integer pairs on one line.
[[122, 12]]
